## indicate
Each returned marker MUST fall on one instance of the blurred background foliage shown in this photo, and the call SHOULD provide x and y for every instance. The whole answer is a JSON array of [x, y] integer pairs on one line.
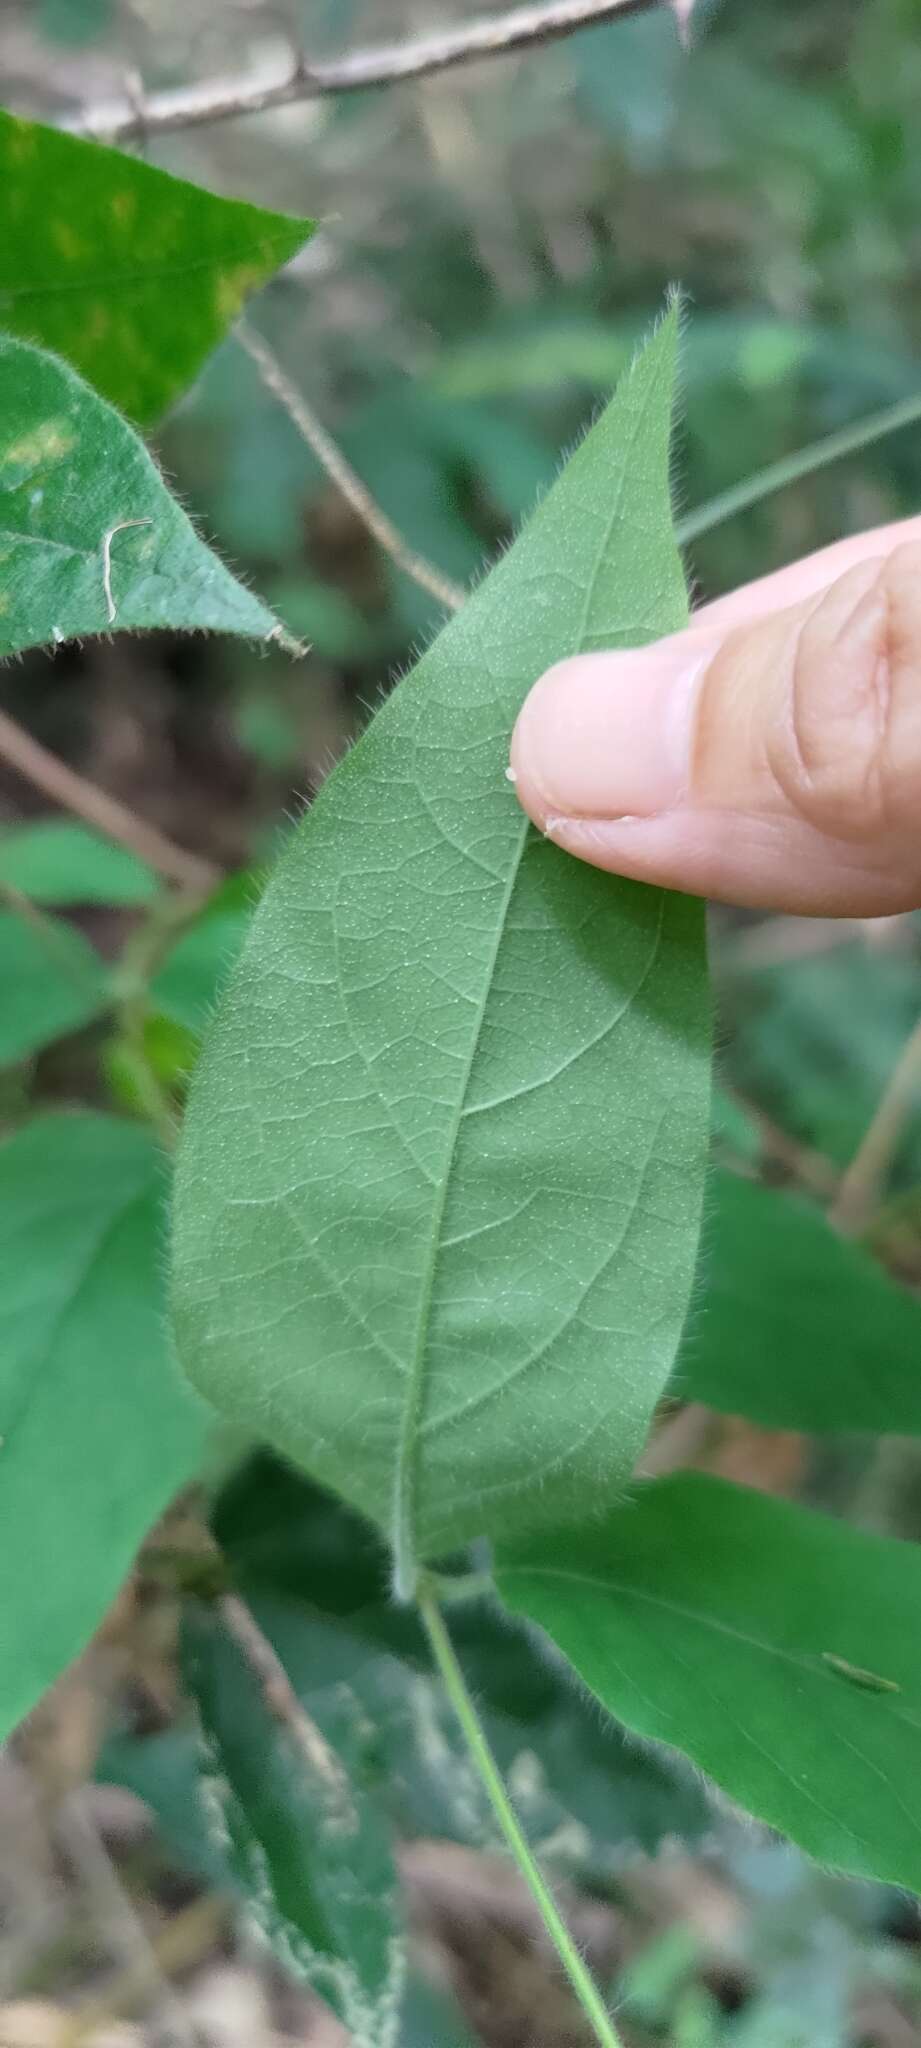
[[492, 246]]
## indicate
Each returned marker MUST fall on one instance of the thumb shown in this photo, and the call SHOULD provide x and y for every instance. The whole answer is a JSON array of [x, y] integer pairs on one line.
[[772, 760]]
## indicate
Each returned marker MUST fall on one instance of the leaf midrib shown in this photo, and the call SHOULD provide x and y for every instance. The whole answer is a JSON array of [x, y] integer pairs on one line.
[[404, 1478], [403, 1534]]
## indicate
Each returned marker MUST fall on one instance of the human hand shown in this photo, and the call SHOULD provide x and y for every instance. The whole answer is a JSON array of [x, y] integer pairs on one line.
[[769, 755]]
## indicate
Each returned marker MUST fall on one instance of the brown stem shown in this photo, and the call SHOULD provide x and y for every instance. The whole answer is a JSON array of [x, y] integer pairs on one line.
[[345, 478], [105, 813], [521, 28]]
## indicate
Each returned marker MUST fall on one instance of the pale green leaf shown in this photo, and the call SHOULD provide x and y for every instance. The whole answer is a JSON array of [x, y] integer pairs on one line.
[[51, 982], [90, 538], [129, 273], [797, 1327], [97, 1430], [773, 1646], [439, 1193], [58, 861]]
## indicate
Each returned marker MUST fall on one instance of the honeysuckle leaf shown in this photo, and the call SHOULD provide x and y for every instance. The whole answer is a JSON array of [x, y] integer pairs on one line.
[[440, 1183]]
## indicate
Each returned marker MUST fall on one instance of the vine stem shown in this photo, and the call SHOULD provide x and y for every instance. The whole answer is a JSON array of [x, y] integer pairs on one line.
[[474, 1734]]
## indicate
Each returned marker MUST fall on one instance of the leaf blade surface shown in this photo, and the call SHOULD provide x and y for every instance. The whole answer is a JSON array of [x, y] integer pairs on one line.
[[90, 538], [768, 1643], [434, 1238], [98, 1430], [131, 274]]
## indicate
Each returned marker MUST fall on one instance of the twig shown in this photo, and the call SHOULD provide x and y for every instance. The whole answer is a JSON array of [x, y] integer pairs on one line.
[[343, 475], [279, 1694], [861, 1184], [105, 813], [794, 469], [185, 1940], [123, 120], [117, 1922]]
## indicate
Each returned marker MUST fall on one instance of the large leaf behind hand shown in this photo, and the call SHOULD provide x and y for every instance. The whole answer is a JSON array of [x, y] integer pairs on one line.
[[440, 1186]]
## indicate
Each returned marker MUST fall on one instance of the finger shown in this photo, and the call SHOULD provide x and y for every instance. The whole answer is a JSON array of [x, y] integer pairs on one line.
[[767, 757]]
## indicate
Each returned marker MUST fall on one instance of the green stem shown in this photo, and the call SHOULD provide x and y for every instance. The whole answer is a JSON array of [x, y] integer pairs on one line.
[[833, 448], [455, 1686]]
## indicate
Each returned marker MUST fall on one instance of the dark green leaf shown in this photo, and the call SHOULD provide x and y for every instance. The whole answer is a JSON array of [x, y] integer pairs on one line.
[[797, 1327], [130, 274], [96, 1429], [60, 862], [51, 982], [90, 538], [305, 1840], [771, 1645], [444, 1156]]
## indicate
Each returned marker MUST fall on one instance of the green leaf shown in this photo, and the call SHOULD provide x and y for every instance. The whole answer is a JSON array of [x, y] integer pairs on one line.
[[90, 538], [130, 274], [797, 1327], [51, 982], [97, 1429], [771, 1645], [306, 1842], [58, 861], [439, 1191], [195, 969], [316, 1577]]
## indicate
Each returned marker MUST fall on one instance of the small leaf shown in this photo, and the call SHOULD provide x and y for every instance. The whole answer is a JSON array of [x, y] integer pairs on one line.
[[797, 1327], [90, 538], [304, 1838], [97, 1430], [187, 985], [771, 1645], [51, 982], [441, 1176], [58, 861], [130, 274]]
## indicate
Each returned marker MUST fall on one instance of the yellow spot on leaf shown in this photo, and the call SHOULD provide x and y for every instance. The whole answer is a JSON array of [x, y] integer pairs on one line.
[[49, 442]]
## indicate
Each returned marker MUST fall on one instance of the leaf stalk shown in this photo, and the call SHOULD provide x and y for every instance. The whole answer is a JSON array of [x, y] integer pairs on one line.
[[490, 1776]]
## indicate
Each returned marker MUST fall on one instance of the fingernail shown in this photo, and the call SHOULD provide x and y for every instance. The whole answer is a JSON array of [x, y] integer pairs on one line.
[[609, 735]]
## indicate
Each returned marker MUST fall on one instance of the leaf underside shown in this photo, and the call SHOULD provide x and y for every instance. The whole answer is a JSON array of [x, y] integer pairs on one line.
[[439, 1191]]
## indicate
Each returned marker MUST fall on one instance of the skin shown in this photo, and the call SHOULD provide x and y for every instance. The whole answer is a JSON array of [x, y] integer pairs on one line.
[[768, 756]]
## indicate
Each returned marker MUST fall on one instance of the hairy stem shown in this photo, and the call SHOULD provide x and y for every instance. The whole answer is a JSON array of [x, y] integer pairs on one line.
[[455, 1686]]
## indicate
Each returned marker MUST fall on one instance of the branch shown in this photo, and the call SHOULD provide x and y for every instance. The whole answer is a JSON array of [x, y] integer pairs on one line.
[[124, 120], [356, 494], [105, 813], [861, 1185]]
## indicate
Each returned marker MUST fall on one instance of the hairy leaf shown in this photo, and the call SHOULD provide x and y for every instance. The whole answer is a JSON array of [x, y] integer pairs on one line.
[[90, 538], [305, 1841], [61, 862], [129, 273], [439, 1193], [771, 1645], [97, 1430], [797, 1327], [52, 982]]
